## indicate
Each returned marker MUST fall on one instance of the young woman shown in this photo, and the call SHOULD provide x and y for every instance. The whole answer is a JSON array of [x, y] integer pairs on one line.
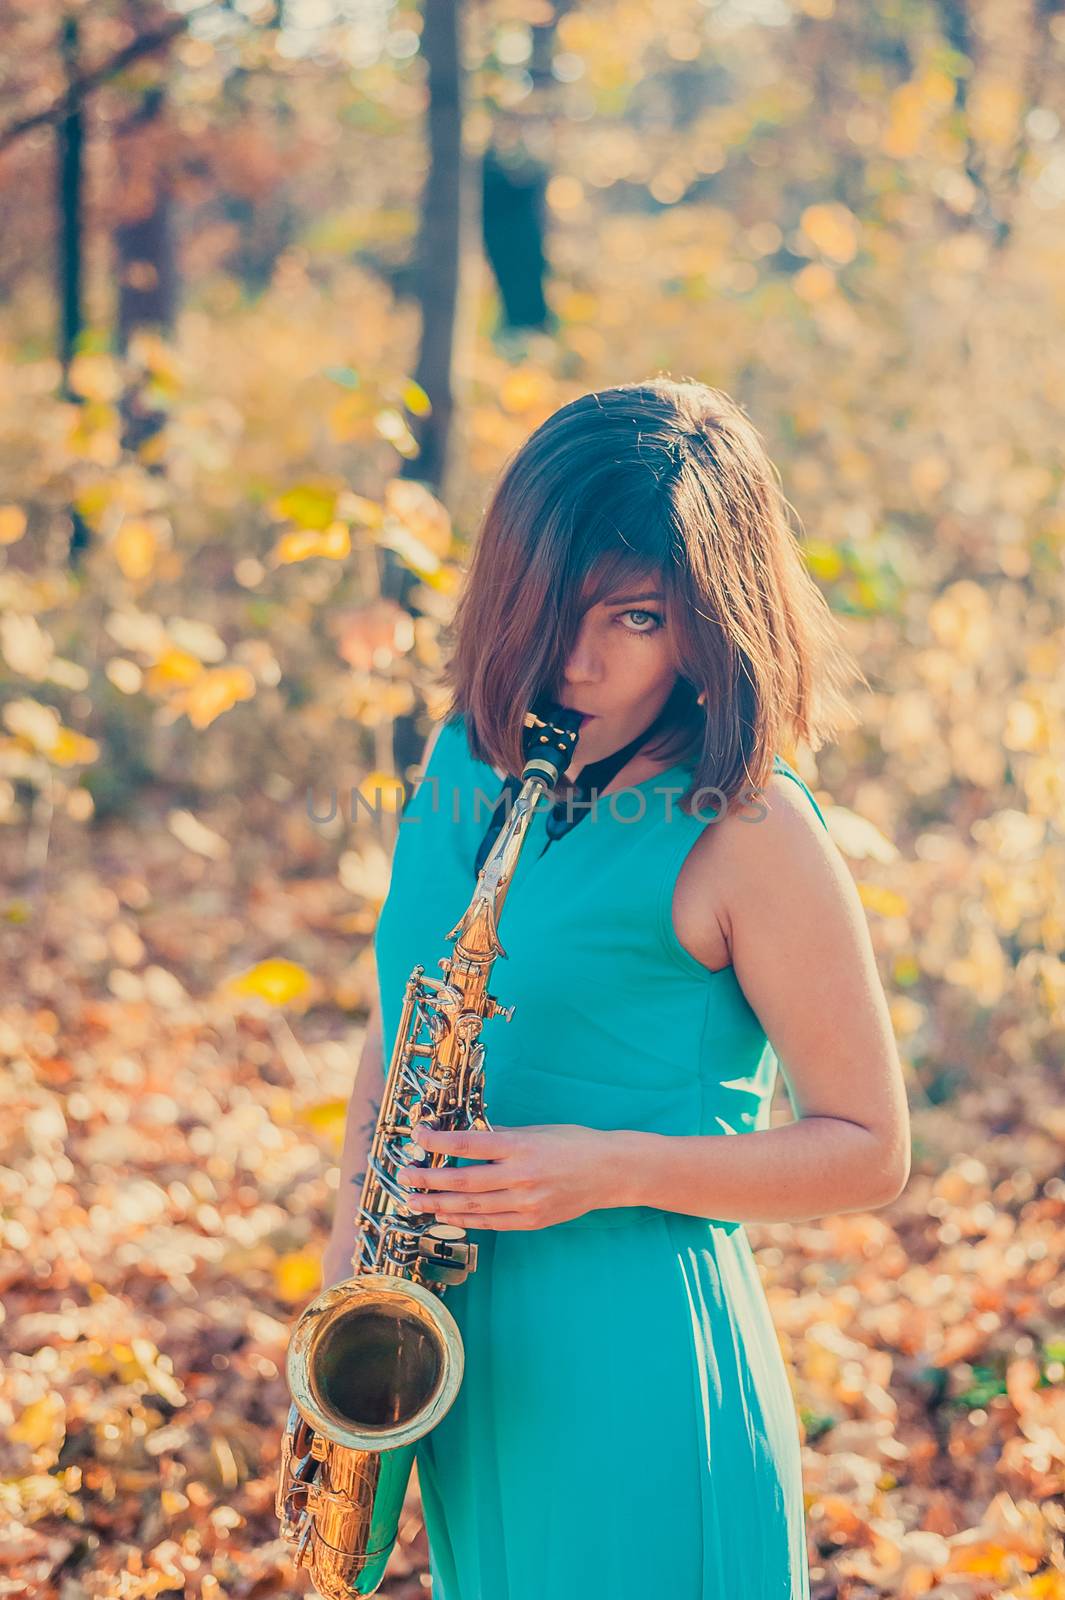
[[626, 1424]]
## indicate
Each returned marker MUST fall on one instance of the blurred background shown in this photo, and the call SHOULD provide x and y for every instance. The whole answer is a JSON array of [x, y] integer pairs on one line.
[[282, 285]]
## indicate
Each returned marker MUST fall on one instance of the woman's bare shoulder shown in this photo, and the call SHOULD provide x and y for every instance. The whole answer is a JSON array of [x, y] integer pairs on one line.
[[728, 861]]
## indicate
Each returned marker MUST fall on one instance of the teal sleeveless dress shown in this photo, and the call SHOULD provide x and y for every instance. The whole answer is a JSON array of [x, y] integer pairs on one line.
[[625, 1424]]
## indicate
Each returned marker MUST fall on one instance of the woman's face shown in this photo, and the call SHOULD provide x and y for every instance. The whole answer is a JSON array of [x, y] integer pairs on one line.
[[621, 670]]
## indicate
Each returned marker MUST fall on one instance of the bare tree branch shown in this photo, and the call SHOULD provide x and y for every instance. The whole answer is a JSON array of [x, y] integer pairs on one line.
[[143, 45]]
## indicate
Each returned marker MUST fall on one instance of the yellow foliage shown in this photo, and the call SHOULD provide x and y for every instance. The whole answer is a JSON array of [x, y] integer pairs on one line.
[[824, 560], [174, 668], [135, 546], [216, 691], [71, 748], [383, 790], [815, 282], [328, 1118], [297, 1275], [42, 730], [42, 1425], [886, 902], [421, 513], [416, 400], [357, 508], [995, 108], [525, 389], [998, 1557], [1044, 1586], [27, 648], [833, 229], [333, 541], [94, 434], [97, 377], [276, 981], [308, 505], [12, 524], [347, 417]]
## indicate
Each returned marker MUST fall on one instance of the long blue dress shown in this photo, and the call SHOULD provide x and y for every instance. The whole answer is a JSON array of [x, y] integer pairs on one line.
[[625, 1425]]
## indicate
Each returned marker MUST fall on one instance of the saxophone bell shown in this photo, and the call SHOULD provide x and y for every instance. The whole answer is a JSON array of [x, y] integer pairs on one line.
[[374, 1362]]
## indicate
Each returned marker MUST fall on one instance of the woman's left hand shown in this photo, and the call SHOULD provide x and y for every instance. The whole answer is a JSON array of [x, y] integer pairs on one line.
[[529, 1177]]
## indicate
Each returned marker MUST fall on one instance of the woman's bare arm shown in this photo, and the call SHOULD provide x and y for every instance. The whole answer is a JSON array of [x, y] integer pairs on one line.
[[363, 1112]]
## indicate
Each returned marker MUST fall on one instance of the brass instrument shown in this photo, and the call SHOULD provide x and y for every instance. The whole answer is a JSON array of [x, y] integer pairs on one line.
[[375, 1362]]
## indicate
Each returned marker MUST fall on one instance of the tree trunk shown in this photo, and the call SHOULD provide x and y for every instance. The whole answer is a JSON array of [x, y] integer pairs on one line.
[[446, 291], [70, 135]]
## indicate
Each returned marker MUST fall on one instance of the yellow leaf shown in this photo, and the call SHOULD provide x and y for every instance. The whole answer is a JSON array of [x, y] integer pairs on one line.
[[357, 508], [992, 1558], [38, 725], [814, 282], [135, 546], [905, 969], [296, 545], [823, 559], [995, 108], [38, 1495], [382, 791], [415, 399], [156, 1371], [217, 691], [276, 981], [12, 524], [833, 229], [157, 357], [308, 505], [884, 901], [28, 649], [297, 1275], [335, 541], [43, 1423], [71, 747], [96, 376], [174, 667], [94, 499], [392, 425], [445, 579], [300, 543], [525, 389], [329, 1117], [420, 512], [347, 417], [1044, 1586]]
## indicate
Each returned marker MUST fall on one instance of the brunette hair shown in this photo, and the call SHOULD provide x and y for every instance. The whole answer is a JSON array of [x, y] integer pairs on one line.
[[668, 480]]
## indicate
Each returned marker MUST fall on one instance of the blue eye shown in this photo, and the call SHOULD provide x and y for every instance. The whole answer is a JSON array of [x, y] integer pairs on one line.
[[658, 621]]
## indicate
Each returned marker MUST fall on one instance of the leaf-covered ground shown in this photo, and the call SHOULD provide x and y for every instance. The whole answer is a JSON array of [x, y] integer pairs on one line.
[[167, 1150]]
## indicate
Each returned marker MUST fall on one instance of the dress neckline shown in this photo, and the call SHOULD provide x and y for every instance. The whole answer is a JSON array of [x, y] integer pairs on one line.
[[608, 794]]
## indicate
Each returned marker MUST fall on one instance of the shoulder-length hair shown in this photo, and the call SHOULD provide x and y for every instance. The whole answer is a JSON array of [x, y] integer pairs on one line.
[[667, 480]]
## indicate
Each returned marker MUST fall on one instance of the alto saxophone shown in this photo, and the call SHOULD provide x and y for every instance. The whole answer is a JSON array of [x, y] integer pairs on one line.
[[375, 1362]]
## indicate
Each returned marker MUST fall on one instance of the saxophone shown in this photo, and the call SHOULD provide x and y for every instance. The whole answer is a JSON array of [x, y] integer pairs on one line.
[[375, 1362]]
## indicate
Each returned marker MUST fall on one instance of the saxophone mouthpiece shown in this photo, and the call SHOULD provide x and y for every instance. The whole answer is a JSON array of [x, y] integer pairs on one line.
[[551, 735]]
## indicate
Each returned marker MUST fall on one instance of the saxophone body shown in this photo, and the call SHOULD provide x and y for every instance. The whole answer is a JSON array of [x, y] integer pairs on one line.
[[375, 1362]]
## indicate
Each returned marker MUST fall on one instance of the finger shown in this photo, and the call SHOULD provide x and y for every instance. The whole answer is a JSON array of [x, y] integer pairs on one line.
[[502, 1220], [468, 1205], [475, 1142], [456, 1180]]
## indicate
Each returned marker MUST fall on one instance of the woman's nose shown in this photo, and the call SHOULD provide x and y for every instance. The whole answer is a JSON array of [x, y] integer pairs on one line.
[[584, 664]]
